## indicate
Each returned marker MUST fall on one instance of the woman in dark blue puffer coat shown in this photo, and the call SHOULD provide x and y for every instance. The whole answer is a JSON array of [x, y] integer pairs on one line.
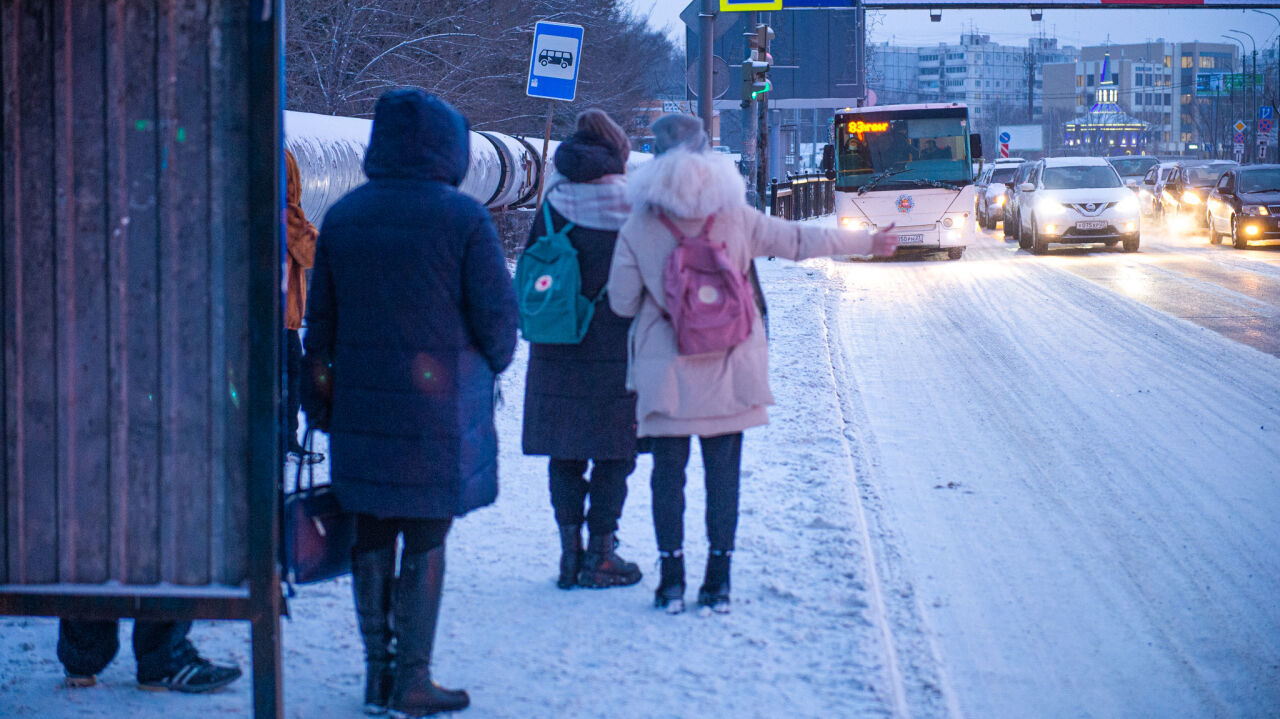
[[577, 407], [413, 314]]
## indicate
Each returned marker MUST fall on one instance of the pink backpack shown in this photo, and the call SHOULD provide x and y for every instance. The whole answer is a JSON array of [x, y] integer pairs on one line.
[[709, 301]]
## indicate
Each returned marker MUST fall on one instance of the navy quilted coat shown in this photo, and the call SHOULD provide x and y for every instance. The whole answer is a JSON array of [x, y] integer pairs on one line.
[[413, 305]]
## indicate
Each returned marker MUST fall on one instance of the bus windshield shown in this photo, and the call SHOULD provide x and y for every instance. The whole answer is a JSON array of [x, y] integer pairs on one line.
[[923, 148]]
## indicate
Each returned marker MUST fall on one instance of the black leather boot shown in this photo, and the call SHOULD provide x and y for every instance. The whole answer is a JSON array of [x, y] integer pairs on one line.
[[373, 579], [670, 594], [602, 567], [714, 593], [570, 555], [417, 610]]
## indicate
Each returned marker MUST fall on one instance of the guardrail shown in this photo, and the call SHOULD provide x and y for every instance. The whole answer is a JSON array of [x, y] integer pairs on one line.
[[800, 197]]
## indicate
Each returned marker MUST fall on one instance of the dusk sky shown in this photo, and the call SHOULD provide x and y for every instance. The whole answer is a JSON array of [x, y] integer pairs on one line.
[[1013, 27]]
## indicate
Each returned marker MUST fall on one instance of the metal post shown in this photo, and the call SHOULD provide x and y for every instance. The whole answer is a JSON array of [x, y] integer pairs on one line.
[[750, 131], [707, 25], [546, 143]]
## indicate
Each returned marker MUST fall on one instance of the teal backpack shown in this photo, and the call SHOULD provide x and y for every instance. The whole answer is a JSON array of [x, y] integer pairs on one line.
[[549, 289]]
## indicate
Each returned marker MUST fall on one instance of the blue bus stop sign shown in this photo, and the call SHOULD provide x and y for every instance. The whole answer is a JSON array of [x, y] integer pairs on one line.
[[553, 64]]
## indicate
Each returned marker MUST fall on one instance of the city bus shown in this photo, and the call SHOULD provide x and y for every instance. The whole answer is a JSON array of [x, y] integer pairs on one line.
[[911, 165]]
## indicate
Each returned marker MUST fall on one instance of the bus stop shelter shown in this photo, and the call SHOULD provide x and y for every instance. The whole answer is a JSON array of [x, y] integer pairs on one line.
[[140, 297]]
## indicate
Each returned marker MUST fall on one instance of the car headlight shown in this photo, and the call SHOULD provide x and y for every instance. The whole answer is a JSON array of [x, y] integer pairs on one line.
[[1191, 198], [1255, 210], [1001, 200], [1128, 205], [1050, 207]]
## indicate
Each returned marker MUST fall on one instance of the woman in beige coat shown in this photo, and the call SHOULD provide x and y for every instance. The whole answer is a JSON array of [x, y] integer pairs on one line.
[[714, 396]]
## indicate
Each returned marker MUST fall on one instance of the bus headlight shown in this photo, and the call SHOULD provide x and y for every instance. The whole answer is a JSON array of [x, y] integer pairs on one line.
[[846, 222], [948, 222]]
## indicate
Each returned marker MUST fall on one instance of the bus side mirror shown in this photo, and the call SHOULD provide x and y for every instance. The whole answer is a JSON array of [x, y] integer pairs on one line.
[[975, 145], [829, 161]]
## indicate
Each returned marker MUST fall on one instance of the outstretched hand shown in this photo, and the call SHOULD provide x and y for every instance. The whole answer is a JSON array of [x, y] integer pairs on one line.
[[884, 241]]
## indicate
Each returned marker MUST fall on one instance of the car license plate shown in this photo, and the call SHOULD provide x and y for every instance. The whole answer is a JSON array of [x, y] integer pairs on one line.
[[910, 239], [1091, 225]]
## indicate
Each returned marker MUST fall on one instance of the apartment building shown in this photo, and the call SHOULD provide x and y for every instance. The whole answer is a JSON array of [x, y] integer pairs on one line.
[[998, 82]]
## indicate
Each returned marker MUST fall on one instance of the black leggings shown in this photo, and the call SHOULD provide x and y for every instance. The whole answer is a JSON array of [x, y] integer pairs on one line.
[[420, 535], [721, 459]]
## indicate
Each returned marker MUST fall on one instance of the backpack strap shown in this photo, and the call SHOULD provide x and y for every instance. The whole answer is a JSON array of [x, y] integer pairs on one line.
[[671, 227], [680, 236], [549, 224]]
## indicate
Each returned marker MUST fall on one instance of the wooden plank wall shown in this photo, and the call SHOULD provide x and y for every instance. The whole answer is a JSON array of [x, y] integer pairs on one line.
[[124, 278]]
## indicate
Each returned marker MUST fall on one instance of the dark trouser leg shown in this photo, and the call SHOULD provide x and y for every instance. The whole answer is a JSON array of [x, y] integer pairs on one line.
[[568, 493], [417, 611], [161, 648], [722, 458], [568, 489], [293, 387], [670, 455], [86, 648], [373, 570], [601, 565], [608, 493]]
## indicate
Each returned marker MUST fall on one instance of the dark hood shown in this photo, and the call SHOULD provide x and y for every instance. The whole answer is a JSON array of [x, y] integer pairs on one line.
[[416, 135], [1260, 198], [584, 157]]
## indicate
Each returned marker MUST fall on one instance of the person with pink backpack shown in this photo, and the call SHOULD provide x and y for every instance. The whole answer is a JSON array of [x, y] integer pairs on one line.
[[698, 357]]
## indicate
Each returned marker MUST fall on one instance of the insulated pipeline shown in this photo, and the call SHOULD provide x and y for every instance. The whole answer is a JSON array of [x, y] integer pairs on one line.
[[503, 172]]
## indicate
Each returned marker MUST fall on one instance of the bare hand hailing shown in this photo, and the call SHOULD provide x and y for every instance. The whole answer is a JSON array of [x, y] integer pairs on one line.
[[884, 241]]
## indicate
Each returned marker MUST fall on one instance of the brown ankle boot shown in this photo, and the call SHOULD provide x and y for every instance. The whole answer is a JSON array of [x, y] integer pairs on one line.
[[602, 567]]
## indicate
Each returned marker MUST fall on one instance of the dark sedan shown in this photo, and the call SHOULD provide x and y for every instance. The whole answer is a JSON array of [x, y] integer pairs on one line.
[[1184, 193], [1245, 205]]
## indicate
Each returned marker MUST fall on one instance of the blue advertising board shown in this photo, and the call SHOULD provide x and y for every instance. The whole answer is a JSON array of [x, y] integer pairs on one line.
[[553, 63]]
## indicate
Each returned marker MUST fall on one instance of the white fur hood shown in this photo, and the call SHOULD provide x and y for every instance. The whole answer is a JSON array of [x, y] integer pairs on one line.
[[687, 184]]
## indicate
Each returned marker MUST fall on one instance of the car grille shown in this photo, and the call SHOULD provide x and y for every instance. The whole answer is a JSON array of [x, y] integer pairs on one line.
[[1092, 209], [1273, 209]]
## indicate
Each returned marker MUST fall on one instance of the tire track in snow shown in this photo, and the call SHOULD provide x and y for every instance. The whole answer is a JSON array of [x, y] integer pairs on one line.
[[1021, 323]]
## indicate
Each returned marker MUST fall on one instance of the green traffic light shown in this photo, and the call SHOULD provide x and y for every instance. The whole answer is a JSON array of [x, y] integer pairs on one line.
[[768, 85]]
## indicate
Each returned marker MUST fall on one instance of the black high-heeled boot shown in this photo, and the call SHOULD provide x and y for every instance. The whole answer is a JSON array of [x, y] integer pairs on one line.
[[417, 610], [714, 593], [372, 581], [670, 594]]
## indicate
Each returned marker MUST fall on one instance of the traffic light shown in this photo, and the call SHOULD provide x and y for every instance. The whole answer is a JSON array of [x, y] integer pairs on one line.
[[755, 80], [755, 69]]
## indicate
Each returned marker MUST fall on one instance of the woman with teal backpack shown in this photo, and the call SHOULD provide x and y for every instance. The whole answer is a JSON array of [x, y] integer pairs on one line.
[[577, 409]]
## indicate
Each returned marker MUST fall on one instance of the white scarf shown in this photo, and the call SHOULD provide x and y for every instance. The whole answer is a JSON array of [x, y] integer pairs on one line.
[[599, 205]]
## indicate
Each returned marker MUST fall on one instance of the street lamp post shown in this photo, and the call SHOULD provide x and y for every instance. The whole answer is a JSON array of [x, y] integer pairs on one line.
[[1245, 115], [1253, 95]]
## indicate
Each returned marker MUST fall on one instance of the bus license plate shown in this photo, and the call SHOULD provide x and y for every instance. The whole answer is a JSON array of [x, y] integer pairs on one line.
[[910, 239], [1091, 225]]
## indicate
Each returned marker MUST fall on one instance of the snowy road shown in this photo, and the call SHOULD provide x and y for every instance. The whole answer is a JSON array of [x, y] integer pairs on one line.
[[1075, 491], [1007, 486]]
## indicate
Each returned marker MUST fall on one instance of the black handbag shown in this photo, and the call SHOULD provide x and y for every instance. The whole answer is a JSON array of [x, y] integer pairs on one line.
[[318, 533]]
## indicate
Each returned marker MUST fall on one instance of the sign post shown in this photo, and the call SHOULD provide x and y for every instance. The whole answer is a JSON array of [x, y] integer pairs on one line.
[[1004, 144], [553, 73]]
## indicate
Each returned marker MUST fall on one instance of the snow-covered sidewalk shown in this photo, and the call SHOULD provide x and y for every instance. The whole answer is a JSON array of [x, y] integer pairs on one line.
[[806, 637]]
